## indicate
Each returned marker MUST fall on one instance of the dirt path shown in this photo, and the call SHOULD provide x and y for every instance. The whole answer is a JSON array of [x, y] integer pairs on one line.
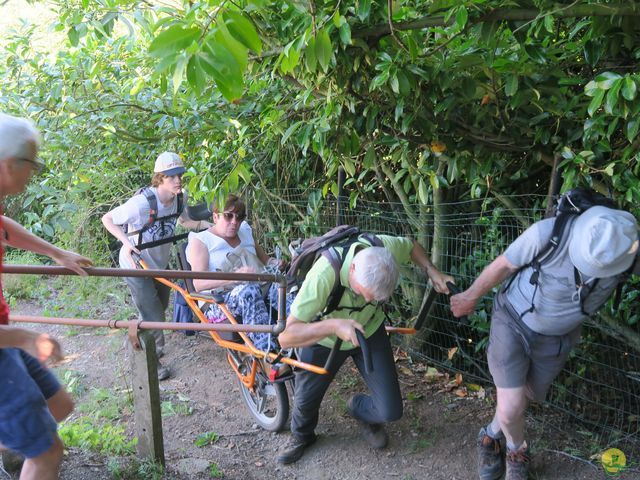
[[435, 439]]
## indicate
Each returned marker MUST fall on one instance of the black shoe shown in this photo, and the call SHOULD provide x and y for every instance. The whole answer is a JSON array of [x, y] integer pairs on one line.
[[373, 433], [490, 457], [294, 449], [163, 372]]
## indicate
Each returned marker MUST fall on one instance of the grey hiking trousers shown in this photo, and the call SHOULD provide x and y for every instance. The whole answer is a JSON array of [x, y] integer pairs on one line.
[[382, 404], [151, 299]]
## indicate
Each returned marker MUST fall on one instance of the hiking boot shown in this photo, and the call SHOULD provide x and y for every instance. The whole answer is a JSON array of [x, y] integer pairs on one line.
[[490, 457], [374, 434], [518, 464], [11, 461], [294, 449], [163, 372]]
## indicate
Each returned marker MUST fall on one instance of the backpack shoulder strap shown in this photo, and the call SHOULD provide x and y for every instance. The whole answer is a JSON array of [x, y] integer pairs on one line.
[[335, 260], [371, 239], [153, 206], [180, 198]]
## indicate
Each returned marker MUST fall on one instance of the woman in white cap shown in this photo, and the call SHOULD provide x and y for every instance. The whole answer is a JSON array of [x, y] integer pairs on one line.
[[151, 216], [536, 319]]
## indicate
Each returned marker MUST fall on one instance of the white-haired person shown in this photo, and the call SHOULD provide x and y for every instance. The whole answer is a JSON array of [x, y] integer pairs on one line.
[[369, 275], [536, 323], [32, 400], [151, 216]]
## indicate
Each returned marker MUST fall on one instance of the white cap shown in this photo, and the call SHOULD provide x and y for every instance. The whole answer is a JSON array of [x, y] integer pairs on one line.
[[604, 242], [169, 163]]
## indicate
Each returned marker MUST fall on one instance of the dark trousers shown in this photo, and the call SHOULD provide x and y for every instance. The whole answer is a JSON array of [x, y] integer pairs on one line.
[[383, 404]]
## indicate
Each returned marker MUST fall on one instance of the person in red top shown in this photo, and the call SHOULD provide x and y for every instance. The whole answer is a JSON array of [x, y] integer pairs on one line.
[[31, 399]]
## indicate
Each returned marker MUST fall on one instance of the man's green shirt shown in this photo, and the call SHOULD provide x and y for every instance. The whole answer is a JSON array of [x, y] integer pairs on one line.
[[315, 290]]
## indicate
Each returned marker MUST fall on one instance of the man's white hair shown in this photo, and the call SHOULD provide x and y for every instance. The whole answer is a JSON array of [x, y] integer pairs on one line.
[[16, 135], [377, 271]]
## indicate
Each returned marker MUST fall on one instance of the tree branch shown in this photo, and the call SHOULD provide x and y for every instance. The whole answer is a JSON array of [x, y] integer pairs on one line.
[[514, 14]]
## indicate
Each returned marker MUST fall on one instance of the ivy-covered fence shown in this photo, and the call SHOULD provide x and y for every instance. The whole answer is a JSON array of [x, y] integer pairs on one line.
[[595, 399]]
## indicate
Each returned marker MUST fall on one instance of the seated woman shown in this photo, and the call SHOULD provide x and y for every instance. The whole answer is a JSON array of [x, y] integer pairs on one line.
[[229, 246]]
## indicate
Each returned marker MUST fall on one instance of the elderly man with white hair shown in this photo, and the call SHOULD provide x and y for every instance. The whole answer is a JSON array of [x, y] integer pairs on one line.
[[32, 400], [368, 275], [537, 317]]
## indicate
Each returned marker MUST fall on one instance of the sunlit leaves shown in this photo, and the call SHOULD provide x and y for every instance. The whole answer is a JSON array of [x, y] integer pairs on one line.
[[323, 49], [173, 40], [243, 30]]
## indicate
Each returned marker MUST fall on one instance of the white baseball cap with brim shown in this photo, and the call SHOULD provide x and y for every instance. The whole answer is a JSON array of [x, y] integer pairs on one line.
[[169, 163], [604, 242]]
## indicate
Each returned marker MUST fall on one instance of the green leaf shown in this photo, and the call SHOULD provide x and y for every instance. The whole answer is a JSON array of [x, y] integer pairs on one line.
[[612, 97], [511, 87], [74, 36], [364, 7], [349, 167], [224, 37], [310, 59], [345, 34], [242, 29], [629, 89], [461, 17], [196, 75], [220, 64], [548, 23], [606, 80], [632, 129], [178, 73], [173, 40], [393, 82], [289, 131], [595, 102], [423, 193], [591, 88], [323, 49], [370, 157]]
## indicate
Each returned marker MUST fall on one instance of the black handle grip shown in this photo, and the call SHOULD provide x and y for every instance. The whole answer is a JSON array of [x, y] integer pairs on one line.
[[454, 290], [366, 352], [425, 308], [328, 365]]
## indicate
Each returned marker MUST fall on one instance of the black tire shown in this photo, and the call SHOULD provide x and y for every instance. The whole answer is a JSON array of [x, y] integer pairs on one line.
[[268, 403]]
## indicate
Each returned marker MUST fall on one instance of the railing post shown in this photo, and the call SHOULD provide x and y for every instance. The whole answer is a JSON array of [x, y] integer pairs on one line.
[[341, 200], [146, 398]]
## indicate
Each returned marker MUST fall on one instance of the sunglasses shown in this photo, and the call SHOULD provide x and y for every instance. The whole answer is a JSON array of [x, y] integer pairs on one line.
[[37, 166], [228, 216]]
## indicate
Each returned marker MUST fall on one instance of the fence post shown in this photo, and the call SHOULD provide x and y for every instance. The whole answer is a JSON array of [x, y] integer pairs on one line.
[[341, 198], [146, 398]]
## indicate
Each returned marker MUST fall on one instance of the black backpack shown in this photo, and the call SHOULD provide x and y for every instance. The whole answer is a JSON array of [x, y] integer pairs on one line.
[[312, 248], [153, 213], [569, 206]]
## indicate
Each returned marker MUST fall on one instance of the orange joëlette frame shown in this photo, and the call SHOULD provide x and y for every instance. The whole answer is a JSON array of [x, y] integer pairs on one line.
[[248, 346]]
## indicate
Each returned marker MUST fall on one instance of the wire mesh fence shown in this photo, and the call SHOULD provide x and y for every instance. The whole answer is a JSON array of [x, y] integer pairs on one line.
[[595, 401]]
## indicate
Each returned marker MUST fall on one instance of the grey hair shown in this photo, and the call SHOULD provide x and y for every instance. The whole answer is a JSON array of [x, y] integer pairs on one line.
[[16, 135], [377, 271]]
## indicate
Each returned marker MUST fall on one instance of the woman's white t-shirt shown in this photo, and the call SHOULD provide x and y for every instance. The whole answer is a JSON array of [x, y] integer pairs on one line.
[[218, 247]]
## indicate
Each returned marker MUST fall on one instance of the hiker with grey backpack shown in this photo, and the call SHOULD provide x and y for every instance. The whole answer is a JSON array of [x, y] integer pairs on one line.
[[560, 271]]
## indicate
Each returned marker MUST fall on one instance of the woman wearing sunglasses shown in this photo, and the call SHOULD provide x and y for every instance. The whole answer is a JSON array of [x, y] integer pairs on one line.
[[229, 246]]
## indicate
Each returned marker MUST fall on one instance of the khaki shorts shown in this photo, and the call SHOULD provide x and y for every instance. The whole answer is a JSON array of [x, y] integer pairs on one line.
[[520, 357]]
